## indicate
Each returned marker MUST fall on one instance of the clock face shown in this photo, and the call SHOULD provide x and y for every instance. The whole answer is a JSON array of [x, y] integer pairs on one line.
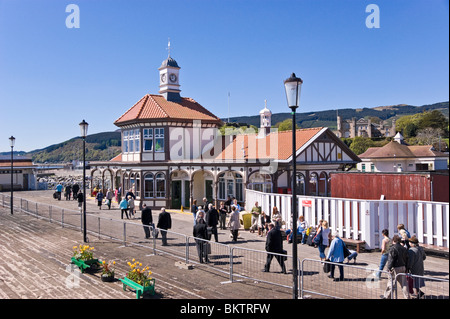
[[163, 77], [172, 77]]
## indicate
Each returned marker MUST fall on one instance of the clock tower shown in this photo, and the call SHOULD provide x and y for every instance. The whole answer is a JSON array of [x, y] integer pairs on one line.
[[169, 85]]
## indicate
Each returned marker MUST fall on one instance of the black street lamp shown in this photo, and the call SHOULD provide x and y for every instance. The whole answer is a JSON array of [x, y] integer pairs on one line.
[[292, 87], [12, 141], [84, 128]]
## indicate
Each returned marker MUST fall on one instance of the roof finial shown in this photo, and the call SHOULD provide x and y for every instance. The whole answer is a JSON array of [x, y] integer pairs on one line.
[[265, 104], [168, 47]]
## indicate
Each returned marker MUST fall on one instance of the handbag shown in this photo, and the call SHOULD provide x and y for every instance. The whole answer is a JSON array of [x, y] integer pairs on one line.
[[410, 282], [318, 238], [326, 266]]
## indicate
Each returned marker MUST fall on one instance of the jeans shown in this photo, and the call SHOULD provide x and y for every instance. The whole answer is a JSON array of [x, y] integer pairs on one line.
[[322, 251], [383, 262], [147, 230]]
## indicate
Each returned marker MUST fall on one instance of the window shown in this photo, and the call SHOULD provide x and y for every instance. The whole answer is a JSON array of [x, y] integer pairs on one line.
[[239, 188], [159, 140], [372, 167], [137, 136], [222, 188], [160, 185], [149, 186], [363, 167], [125, 141], [148, 139], [131, 141]]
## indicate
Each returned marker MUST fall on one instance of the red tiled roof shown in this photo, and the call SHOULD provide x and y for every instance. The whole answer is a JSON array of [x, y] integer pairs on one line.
[[153, 106], [282, 149]]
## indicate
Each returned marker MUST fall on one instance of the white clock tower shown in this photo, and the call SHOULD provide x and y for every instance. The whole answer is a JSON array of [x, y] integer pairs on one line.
[[169, 85]]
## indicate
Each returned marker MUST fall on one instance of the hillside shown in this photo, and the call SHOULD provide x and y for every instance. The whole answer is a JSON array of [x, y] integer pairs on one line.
[[328, 118], [99, 147]]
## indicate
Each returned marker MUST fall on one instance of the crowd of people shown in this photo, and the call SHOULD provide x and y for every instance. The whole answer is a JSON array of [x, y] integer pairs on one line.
[[399, 254]]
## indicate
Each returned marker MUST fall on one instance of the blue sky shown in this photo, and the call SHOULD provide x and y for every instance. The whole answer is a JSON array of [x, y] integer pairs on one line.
[[52, 77]]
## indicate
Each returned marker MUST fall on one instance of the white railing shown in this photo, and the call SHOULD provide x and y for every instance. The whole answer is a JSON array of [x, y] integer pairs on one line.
[[363, 219]]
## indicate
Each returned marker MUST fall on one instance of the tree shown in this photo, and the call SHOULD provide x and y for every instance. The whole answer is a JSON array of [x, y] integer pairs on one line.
[[286, 125], [361, 144]]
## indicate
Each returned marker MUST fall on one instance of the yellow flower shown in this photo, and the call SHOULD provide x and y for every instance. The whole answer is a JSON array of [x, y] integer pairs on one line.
[[133, 260], [103, 262], [114, 262]]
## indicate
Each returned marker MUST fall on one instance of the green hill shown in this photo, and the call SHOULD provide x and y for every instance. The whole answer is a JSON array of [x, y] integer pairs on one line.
[[329, 118], [99, 147]]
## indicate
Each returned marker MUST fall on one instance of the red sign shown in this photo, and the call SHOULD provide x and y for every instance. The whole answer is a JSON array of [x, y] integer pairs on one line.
[[306, 203]]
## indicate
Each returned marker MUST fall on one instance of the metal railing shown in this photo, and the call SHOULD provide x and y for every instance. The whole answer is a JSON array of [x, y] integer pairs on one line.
[[238, 263]]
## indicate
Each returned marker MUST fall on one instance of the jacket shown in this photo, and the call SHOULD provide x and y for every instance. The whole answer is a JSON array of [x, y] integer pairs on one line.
[[212, 217], [397, 257], [123, 204], [234, 222], [274, 241], [416, 256], [146, 216], [199, 231], [336, 251], [164, 221]]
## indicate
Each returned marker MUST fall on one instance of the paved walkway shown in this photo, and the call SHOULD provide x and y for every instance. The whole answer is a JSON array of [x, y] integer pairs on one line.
[[36, 254]]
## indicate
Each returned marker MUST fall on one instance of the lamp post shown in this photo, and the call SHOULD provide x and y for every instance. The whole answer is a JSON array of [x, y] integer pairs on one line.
[[12, 141], [84, 128], [292, 87]]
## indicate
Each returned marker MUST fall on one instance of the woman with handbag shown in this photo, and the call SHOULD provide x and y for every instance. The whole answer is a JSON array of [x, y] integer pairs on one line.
[[322, 238]]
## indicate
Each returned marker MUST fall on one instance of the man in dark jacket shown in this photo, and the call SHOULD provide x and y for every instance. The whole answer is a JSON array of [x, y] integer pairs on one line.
[[201, 233], [274, 244], [164, 223], [146, 219], [212, 219], [397, 263]]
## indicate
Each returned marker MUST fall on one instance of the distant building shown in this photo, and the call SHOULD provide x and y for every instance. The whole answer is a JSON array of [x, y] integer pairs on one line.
[[362, 127], [396, 156], [24, 173]]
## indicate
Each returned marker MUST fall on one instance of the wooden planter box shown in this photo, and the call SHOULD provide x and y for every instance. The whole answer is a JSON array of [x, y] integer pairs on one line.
[[140, 289], [84, 264]]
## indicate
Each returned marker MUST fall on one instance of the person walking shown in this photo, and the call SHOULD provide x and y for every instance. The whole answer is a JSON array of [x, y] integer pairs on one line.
[[274, 244], [336, 255], [201, 235], [164, 223], [123, 208], [108, 198], [59, 189], [80, 199], [323, 232], [416, 256], [67, 192], [222, 216], [212, 219], [75, 189], [385, 244], [146, 219], [397, 263], [194, 210], [131, 205], [99, 198], [256, 211], [234, 223]]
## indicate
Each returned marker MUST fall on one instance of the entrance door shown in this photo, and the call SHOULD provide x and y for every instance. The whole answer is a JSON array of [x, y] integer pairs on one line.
[[208, 191], [176, 194], [187, 194]]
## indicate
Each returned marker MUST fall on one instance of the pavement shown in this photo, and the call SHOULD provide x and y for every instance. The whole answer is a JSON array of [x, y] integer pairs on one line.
[[35, 260]]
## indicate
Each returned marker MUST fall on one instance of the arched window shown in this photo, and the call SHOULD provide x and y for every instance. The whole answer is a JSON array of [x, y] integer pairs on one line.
[[323, 184], [301, 186], [149, 186], [313, 184], [160, 185]]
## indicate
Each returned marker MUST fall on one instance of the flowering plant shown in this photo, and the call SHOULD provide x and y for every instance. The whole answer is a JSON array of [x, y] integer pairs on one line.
[[108, 268], [83, 252], [139, 274]]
